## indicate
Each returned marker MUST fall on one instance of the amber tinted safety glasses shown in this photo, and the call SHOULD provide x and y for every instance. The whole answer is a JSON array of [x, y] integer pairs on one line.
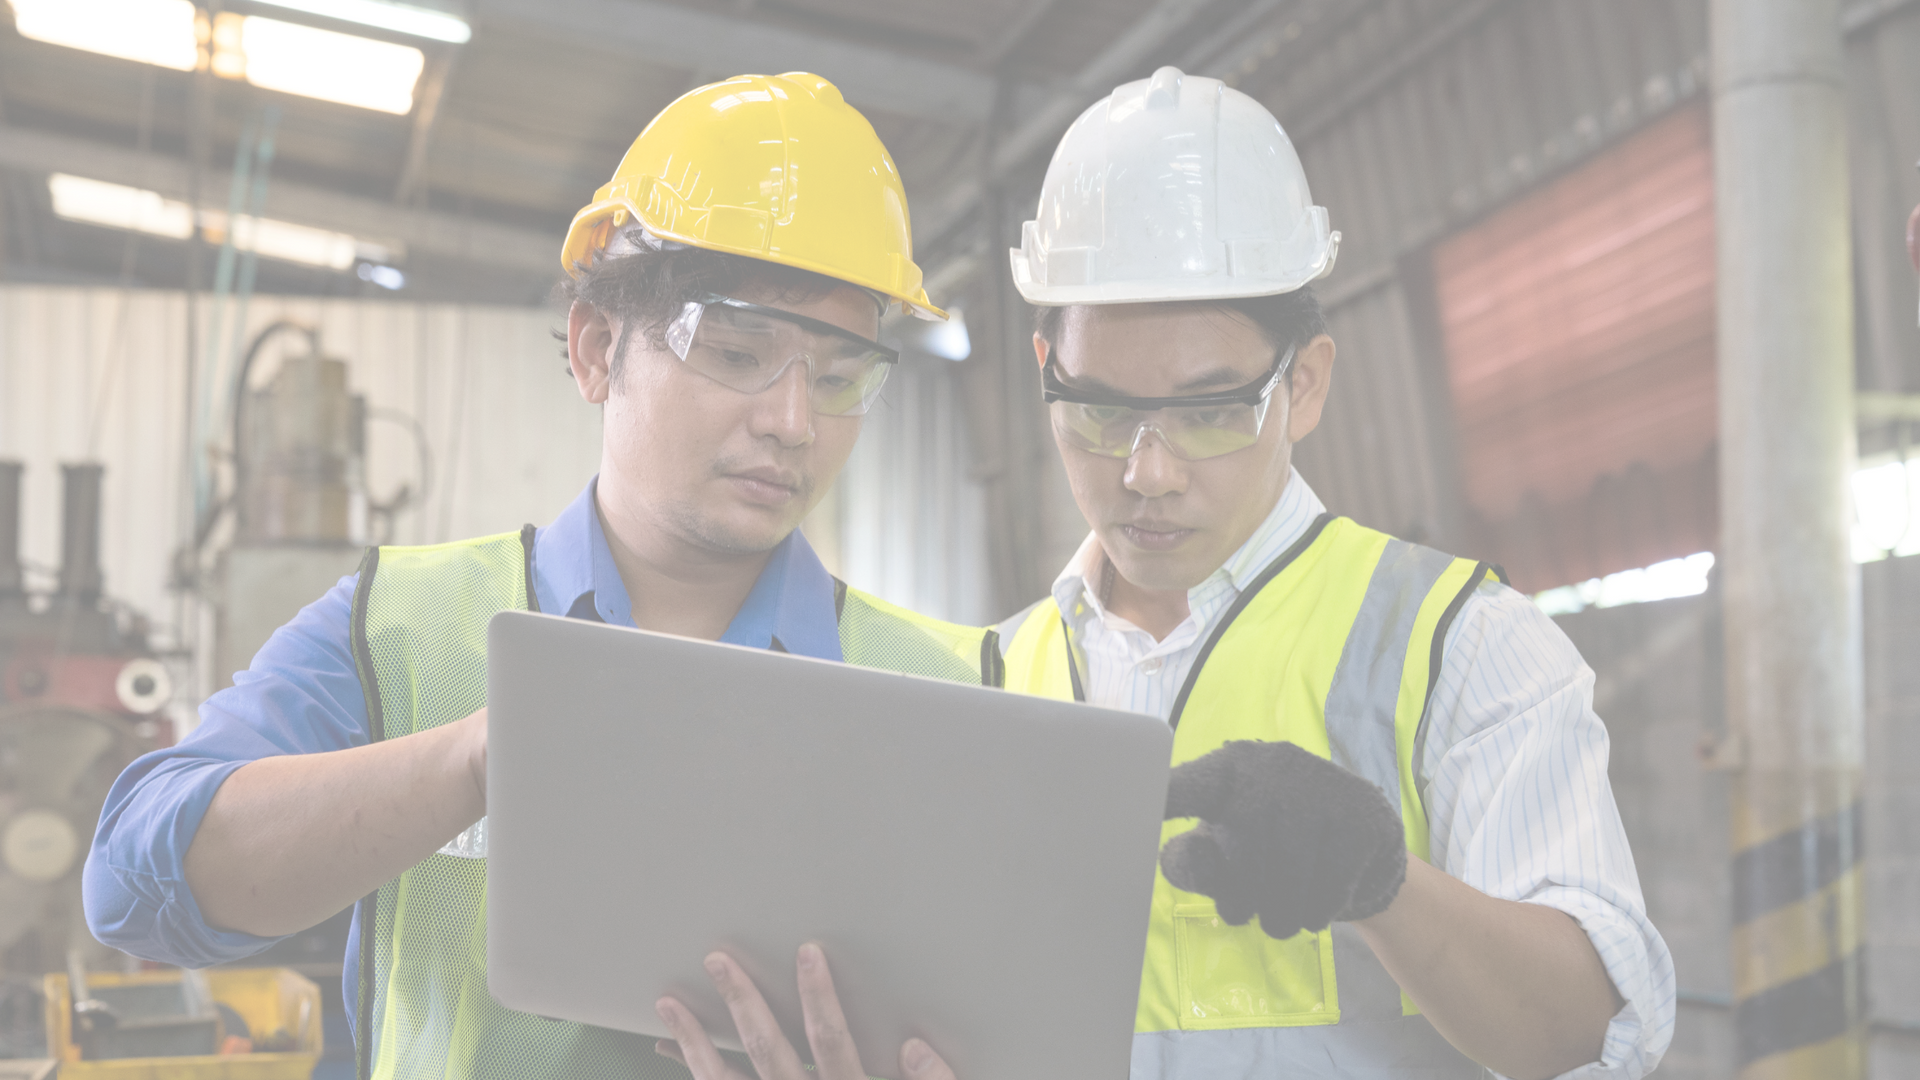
[[1194, 427]]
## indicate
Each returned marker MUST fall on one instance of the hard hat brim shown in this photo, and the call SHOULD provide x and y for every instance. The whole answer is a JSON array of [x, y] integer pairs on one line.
[[1163, 290]]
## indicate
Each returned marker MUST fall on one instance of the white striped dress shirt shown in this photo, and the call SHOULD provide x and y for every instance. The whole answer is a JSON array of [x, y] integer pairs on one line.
[[1518, 801]]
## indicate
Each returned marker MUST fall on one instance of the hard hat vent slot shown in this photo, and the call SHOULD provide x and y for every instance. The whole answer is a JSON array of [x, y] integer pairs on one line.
[[1068, 266], [1254, 258], [739, 229]]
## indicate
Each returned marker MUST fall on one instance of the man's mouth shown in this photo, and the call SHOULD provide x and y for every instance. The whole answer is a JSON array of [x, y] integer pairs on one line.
[[1155, 535], [766, 486]]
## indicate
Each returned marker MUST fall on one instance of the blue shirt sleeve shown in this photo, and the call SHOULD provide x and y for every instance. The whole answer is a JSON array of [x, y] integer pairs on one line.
[[301, 695]]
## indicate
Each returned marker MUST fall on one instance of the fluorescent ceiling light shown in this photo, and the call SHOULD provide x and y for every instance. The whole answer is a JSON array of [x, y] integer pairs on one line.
[[116, 206], [268, 53], [157, 32], [96, 202], [400, 18], [351, 70], [384, 276], [290, 242]]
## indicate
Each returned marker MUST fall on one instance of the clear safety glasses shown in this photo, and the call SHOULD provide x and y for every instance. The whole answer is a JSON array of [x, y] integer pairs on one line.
[[748, 347], [1196, 427]]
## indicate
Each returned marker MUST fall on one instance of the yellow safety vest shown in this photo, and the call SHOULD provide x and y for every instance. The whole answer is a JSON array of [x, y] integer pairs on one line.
[[1335, 646], [419, 640]]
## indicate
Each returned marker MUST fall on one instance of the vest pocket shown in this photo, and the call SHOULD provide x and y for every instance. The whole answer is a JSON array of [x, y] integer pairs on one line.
[[1237, 976]]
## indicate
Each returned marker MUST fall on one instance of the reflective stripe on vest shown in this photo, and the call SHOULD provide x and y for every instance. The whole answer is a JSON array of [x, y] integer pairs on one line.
[[419, 638], [1334, 647]]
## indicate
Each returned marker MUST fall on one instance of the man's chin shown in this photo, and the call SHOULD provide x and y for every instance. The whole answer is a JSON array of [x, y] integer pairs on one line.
[[740, 533], [1172, 571]]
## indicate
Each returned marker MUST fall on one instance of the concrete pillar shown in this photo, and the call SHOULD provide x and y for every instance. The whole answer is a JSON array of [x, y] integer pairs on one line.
[[1792, 594]]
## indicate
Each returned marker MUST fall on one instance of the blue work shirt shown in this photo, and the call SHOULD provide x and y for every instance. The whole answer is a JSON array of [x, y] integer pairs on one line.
[[301, 695]]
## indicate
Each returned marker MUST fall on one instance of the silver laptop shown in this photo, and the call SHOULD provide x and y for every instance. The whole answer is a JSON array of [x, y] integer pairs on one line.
[[978, 865]]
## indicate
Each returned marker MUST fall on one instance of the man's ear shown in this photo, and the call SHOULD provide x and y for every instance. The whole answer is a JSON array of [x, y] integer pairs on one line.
[[1312, 378], [590, 340], [1040, 348]]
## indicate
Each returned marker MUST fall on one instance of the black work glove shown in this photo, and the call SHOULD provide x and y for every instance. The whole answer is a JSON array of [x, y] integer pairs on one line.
[[1285, 835]]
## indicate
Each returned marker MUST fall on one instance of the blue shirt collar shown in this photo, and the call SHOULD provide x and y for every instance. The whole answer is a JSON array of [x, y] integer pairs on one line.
[[791, 606]]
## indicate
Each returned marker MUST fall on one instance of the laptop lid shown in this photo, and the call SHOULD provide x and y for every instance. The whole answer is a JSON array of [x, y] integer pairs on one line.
[[977, 865]]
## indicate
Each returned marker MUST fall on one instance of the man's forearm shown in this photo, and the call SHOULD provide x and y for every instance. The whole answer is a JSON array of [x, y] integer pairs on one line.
[[288, 841], [1517, 987]]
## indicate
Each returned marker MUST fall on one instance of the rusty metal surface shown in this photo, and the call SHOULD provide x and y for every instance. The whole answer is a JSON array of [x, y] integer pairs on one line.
[[1578, 327]]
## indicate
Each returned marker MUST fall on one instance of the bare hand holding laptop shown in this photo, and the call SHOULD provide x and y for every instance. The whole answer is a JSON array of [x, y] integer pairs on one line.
[[834, 1053]]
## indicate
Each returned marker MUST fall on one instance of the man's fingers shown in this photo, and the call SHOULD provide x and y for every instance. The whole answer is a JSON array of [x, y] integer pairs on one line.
[[1193, 861], [760, 1035], [834, 1055], [919, 1062], [691, 1047], [667, 1048]]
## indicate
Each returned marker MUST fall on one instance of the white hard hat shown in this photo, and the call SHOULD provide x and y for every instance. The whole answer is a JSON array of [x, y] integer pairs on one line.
[[1176, 187]]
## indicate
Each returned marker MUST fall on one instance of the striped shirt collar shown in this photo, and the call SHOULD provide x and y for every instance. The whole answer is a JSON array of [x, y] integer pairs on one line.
[[1289, 520]]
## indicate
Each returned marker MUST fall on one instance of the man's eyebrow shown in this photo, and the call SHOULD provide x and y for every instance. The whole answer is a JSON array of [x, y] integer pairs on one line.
[[1223, 377], [1091, 384]]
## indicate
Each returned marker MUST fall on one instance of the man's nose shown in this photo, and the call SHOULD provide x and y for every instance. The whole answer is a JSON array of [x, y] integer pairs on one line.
[[1154, 469], [784, 411]]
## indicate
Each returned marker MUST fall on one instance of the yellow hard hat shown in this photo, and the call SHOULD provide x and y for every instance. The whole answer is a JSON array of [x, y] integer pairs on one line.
[[778, 168]]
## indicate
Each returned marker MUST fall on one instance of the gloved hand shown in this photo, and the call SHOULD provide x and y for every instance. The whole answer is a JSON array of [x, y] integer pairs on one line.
[[1285, 835]]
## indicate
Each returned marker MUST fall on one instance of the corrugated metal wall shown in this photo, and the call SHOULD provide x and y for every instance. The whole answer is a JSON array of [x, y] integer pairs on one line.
[[1420, 119], [1425, 115], [92, 374], [1579, 331], [909, 512]]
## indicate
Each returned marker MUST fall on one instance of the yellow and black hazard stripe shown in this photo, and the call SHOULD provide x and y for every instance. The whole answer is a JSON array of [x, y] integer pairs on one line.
[[1800, 1004]]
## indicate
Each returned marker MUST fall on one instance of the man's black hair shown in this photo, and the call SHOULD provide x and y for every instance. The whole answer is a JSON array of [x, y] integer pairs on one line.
[[647, 289], [1292, 318]]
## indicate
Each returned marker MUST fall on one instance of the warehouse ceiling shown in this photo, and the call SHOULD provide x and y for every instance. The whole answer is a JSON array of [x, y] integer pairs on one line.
[[513, 130]]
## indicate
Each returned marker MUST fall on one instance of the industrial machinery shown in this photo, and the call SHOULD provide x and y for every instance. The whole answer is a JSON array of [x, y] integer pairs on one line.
[[80, 693], [301, 515]]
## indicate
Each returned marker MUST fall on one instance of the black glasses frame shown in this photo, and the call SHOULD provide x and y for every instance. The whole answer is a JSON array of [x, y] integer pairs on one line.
[[1052, 390]]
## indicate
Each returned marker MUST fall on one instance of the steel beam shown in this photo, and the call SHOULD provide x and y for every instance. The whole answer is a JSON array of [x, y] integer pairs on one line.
[[1791, 590], [685, 37], [420, 230]]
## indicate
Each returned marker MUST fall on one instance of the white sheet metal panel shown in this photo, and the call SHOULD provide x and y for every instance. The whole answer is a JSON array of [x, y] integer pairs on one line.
[[100, 374], [912, 518]]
